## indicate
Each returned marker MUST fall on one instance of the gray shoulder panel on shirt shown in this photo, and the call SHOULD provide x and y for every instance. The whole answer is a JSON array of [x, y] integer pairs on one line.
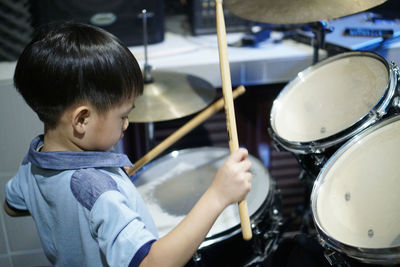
[[88, 185]]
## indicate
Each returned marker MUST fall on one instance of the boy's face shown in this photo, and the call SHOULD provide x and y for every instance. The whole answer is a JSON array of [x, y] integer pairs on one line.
[[107, 129]]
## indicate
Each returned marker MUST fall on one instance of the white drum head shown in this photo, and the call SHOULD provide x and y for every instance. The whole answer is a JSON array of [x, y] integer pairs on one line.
[[356, 197], [329, 98], [171, 186]]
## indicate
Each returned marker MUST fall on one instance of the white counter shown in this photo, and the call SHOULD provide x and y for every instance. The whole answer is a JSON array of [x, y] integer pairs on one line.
[[269, 63]]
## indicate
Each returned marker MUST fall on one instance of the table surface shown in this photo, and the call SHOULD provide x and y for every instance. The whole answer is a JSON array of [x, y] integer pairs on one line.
[[272, 61]]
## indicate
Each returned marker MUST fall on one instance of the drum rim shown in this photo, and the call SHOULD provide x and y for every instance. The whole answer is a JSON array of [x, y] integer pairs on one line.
[[228, 233], [320, 145], [234, 230], [369, 255]]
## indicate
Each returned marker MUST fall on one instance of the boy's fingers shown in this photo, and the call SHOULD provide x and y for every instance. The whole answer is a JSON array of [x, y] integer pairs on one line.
[[244, 165], [239, 155]]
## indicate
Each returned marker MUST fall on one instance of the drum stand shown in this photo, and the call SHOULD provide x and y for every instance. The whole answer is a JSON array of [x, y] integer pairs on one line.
[[335, 259], [265, 243], [149, 136], [147, 78], [306, 221], [319, 29]]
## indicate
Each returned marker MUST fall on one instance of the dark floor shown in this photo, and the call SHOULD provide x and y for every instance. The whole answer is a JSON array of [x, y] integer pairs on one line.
[[304, 251], [290, 249]]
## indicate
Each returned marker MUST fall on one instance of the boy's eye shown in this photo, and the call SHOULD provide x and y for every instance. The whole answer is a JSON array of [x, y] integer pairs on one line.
[[125, 117]]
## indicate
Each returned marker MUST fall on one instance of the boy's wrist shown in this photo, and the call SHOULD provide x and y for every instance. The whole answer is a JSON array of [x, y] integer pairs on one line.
[[216, 201]]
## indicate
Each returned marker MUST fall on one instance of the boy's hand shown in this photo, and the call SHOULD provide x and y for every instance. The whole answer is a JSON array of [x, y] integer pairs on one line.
[[232, 181]]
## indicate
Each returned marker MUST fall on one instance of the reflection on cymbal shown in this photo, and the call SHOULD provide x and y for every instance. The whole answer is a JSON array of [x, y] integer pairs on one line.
[[295, 11], [171, 96]]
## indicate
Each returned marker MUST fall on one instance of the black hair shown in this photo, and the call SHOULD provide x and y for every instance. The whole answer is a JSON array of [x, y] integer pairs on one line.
[[70, 63]]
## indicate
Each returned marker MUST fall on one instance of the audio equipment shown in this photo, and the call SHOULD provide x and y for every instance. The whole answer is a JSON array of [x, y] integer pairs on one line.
[[203, 19], [120, 17], [15, 28]]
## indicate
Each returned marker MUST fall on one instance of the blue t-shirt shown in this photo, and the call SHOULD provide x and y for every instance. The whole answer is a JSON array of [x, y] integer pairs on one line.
[[86, 209]]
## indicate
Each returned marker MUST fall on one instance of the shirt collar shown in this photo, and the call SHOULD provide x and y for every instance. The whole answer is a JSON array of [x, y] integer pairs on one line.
[[66, 160]]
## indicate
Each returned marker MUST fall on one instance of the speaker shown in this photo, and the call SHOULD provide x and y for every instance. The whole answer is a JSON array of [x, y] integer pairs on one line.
[[123, 18], [15, 28]]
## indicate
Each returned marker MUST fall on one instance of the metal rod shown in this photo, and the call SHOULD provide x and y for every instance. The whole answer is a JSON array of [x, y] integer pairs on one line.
[[147, 68]]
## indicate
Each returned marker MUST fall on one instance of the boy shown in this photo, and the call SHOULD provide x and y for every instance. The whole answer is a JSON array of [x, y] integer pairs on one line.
[[82, 83]]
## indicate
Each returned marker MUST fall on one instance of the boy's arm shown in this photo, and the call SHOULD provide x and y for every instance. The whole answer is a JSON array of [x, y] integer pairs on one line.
[[14, 212], [177, 247], [230, 185]]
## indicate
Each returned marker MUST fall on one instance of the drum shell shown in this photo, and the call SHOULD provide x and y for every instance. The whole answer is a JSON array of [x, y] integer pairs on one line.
[[229, 249]]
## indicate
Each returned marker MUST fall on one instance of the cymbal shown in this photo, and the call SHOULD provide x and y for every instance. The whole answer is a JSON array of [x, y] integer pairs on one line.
[[171, 96], [295, 11]]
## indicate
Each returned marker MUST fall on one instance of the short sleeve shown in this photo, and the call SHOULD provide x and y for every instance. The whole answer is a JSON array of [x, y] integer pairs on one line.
[[114, 221], [120, 232], [14, 196]]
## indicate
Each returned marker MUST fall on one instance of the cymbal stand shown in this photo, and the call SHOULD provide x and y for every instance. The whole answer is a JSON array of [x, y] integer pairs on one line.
[[319, 29], [147, 78], [146, 68]]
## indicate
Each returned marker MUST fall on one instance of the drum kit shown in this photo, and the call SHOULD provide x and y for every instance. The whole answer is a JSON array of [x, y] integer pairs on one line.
[[339, 118]]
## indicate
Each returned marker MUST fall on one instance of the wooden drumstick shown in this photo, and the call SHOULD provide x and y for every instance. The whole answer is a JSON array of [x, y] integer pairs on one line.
[[229, 108], [190, 125]]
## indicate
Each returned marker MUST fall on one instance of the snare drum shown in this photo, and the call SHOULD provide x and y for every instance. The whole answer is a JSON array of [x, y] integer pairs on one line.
[[330, 102], [356, 197], [171, 186]]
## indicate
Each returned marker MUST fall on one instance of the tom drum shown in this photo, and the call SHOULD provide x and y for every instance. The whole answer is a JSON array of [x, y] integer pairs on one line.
[[330, 102], [356, 197]]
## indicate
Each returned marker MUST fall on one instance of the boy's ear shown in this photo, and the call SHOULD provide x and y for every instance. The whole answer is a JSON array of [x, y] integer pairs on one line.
[[80, 118]]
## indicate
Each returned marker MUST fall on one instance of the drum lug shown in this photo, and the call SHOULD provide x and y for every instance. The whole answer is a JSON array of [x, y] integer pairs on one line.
[[257, 240], [276, 224], [375, 115], [197, 258], [271, 234], [275, 212], [395, 68], [335, 259], [314, 150], [319, 160], [256, 230], [396, 102]]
